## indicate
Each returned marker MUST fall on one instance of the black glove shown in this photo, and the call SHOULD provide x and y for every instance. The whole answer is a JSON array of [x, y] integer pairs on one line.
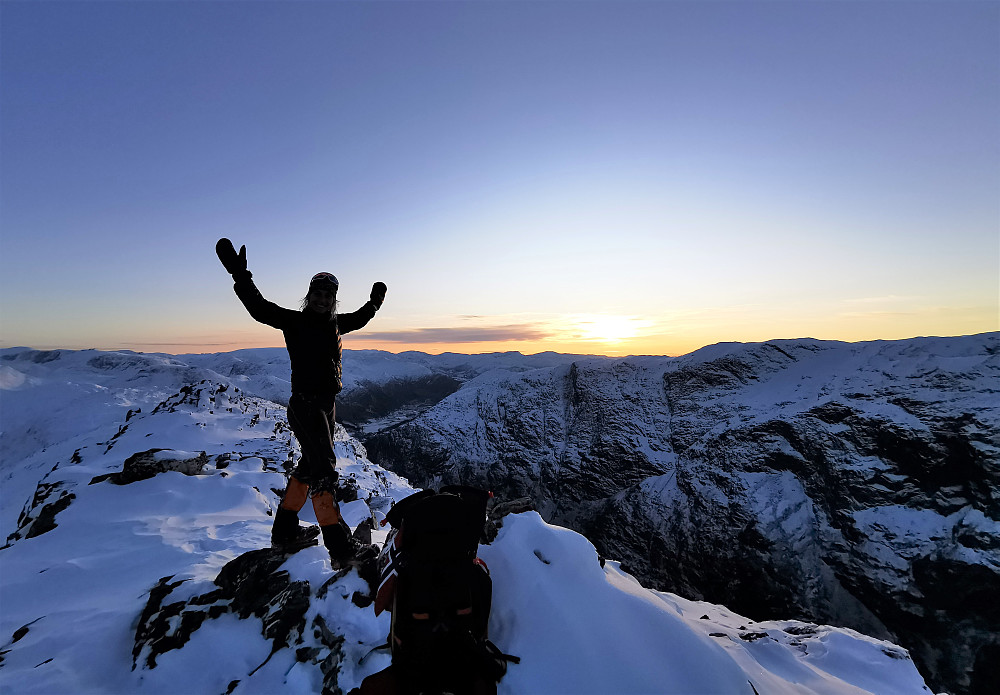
[[378, 294], [235, 263]]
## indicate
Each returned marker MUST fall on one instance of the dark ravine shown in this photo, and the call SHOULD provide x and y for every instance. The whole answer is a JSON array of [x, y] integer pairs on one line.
[[856, 485], [373, 400]]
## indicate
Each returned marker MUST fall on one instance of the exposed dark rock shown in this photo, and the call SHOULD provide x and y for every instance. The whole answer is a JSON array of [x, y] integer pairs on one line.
[[18, 635], [39, 515], [43, 356], [255, 586], [502, 509], [146, 464], [252, 585], [986, 674], [46, 519], [154, 630]]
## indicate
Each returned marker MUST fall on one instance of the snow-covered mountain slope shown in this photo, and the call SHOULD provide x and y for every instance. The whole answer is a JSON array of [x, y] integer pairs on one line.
[[137, 494], [856, 484]]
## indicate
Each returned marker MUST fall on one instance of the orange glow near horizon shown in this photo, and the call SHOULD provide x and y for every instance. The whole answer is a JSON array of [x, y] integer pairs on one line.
[[585, 334], [669, 348]]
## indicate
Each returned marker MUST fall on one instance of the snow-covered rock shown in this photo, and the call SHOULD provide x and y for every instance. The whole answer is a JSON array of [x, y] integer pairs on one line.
[[164, 582], [850, 483]]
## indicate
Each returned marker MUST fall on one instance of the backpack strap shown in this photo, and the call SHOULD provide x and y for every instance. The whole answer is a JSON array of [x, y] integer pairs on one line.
[[387, 645], [493, 662], [494, 649]]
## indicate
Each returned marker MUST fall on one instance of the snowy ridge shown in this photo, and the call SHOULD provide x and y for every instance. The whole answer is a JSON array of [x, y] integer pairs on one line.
[[131, 482]]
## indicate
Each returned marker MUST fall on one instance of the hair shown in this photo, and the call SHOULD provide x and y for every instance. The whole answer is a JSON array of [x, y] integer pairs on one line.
[[305, 303]]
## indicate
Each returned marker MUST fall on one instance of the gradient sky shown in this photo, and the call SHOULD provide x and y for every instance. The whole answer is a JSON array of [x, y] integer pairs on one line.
[[592, 177]]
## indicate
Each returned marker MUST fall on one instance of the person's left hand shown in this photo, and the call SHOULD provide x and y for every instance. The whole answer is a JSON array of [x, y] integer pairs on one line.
[[378, 294]]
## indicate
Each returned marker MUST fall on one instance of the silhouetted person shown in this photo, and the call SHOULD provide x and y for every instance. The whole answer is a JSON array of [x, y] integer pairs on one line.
[[312, 336]]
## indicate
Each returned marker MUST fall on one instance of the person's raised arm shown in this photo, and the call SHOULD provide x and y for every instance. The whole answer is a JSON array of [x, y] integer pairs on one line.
[[358, 319], [236, 265]]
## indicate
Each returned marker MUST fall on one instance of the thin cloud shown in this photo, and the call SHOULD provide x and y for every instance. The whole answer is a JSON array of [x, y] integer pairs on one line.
[[877, 314], [885, 299], [188, 344], [461, 334]]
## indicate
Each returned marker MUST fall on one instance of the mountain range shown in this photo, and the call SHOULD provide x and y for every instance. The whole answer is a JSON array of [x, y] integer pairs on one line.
[[760, 492], [851, 483]]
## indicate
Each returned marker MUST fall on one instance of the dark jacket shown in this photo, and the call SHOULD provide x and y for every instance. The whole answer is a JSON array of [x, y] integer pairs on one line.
[[313, 340]]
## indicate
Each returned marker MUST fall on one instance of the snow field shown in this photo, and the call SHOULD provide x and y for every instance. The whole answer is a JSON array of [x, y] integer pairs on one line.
[[71, 598]]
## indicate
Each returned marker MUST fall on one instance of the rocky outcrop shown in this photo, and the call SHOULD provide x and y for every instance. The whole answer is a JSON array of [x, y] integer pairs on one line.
[[251, 586], [854, 484], [146, 464], [39, 515]]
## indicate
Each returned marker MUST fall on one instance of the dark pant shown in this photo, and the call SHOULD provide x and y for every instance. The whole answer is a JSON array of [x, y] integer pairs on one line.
[[311, 418]]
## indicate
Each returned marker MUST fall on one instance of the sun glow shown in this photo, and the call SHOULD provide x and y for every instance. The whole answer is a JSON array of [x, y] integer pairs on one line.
[[605, 329]]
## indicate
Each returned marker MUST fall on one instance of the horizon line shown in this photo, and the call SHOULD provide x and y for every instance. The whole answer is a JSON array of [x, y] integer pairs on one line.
[[53, 348]]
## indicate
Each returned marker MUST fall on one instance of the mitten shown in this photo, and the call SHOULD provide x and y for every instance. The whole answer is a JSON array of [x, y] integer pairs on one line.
[[378, 294], [234, 262]]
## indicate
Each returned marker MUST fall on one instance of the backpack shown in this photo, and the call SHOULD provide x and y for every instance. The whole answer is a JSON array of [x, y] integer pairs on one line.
[[440, 594]]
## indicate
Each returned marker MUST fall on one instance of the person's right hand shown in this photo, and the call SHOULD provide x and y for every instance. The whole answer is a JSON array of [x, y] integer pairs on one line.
[[234, 262]]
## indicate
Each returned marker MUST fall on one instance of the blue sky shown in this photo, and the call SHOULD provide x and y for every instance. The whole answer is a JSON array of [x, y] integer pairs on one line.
[[599, 177]]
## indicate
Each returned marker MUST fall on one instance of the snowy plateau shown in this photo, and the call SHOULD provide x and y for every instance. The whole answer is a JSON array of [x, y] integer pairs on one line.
[[773, 486]]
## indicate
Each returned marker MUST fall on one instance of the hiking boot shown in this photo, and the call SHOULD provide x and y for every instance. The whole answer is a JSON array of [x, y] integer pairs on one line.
[[303, 537], [363, 532], [360, 555], [347, 551], [286, 534]]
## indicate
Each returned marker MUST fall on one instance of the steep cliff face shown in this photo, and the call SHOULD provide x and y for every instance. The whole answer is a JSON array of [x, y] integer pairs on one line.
[[570, 437], [857, 484]]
